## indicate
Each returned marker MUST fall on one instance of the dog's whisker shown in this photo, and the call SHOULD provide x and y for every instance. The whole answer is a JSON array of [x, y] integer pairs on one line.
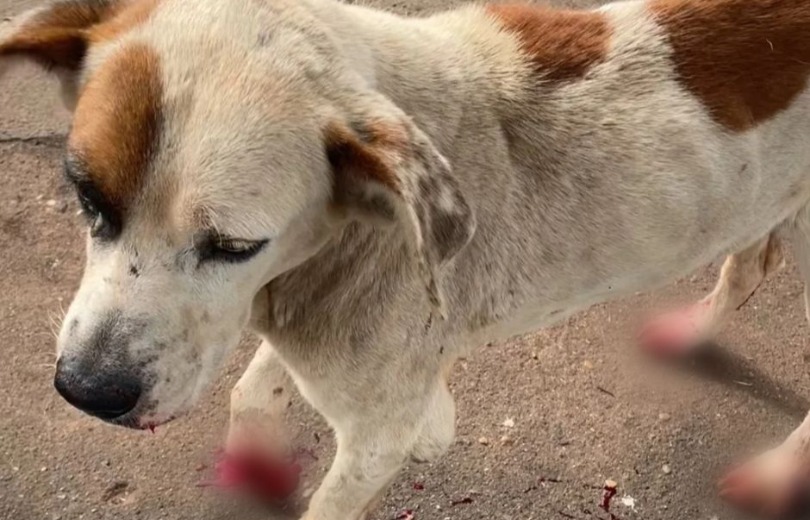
[[56, 319]]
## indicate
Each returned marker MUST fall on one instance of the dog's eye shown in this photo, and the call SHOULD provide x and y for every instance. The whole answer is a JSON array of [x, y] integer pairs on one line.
[[229, 249], [100, 225], [93, 215], [88, 208]]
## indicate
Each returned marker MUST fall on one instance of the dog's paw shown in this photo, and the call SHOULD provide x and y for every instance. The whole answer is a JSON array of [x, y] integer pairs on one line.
[[775, 484], [268, 478], [676, 333]]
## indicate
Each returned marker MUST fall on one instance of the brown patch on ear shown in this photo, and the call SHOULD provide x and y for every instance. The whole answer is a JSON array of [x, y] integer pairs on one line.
[[117, 122], [59, 35], [562, 44], [55, 36], [746, 61], [355, 161], [124, 18], [51, 48]]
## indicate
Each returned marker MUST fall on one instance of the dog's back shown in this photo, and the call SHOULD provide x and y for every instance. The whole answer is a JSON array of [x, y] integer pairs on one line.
[[647, 139]]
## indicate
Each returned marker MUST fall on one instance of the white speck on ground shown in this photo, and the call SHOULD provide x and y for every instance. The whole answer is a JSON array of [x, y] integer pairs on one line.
[[629, 502]]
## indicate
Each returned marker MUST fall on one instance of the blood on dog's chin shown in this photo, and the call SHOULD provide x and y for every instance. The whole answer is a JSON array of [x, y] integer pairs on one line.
[[153, 424], [141, 421]]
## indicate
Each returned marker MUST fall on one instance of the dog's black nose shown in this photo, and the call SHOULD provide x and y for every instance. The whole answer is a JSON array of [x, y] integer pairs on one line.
[[102, 393]]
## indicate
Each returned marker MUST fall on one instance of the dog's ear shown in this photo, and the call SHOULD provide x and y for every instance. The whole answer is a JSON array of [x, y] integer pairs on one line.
[[388, 170], [56, 37]]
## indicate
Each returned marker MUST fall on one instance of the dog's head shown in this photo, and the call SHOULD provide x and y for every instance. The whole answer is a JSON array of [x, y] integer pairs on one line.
[[214, 146]]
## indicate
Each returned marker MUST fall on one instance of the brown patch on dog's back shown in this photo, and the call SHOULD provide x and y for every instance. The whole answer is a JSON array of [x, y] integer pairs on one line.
[[745, 59], [117, 122], [562, 44]]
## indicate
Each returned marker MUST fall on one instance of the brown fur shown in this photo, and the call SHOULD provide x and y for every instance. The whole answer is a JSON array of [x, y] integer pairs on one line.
[[562, 44], [117, 122], [123, 19], [354, 161], [60, 35], [745, 59], [55, 37]]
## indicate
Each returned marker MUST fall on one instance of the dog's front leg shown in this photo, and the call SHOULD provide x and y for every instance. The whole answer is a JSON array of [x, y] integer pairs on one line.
[[374, 443], [258, 403], [365, 463]]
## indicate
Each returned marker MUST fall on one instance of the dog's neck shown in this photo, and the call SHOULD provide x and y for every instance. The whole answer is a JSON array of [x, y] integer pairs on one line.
[[437, 69], [449, 73]]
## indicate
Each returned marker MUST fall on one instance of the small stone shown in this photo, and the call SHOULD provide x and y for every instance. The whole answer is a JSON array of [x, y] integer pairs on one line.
[[611, 484], [588, 364], [509, 423], [664, 417], [507, 440], [483, 440], [40, 197], [666, 469], [43, 469], [50, 203], [535, 355]]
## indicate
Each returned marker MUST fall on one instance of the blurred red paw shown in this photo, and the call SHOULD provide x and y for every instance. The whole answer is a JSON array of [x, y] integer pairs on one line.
[[676, 333], [271, 479], [775, 485]]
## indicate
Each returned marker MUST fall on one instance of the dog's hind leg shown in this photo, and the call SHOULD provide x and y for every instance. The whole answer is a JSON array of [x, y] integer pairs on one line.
[[258, 403], [779, 480], [676, 333], [776, 482]]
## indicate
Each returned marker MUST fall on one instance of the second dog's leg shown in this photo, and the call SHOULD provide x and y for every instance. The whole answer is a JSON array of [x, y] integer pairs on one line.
[[678, 332], [258, 402]]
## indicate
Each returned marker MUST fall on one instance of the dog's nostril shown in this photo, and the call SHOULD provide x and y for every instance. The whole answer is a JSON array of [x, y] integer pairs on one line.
[[104, 395]]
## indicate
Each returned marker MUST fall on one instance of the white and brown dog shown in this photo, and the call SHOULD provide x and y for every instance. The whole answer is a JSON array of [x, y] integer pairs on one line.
[[377, 195]]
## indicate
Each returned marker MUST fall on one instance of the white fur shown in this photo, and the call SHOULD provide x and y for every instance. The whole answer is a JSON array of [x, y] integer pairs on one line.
[[571, 194]]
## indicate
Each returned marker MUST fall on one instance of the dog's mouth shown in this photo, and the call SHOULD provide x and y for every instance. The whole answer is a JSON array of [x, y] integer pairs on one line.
[[139, 423], [142, 419]]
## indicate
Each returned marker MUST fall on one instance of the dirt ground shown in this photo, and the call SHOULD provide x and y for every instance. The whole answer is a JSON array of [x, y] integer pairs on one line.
[[543, 421]]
